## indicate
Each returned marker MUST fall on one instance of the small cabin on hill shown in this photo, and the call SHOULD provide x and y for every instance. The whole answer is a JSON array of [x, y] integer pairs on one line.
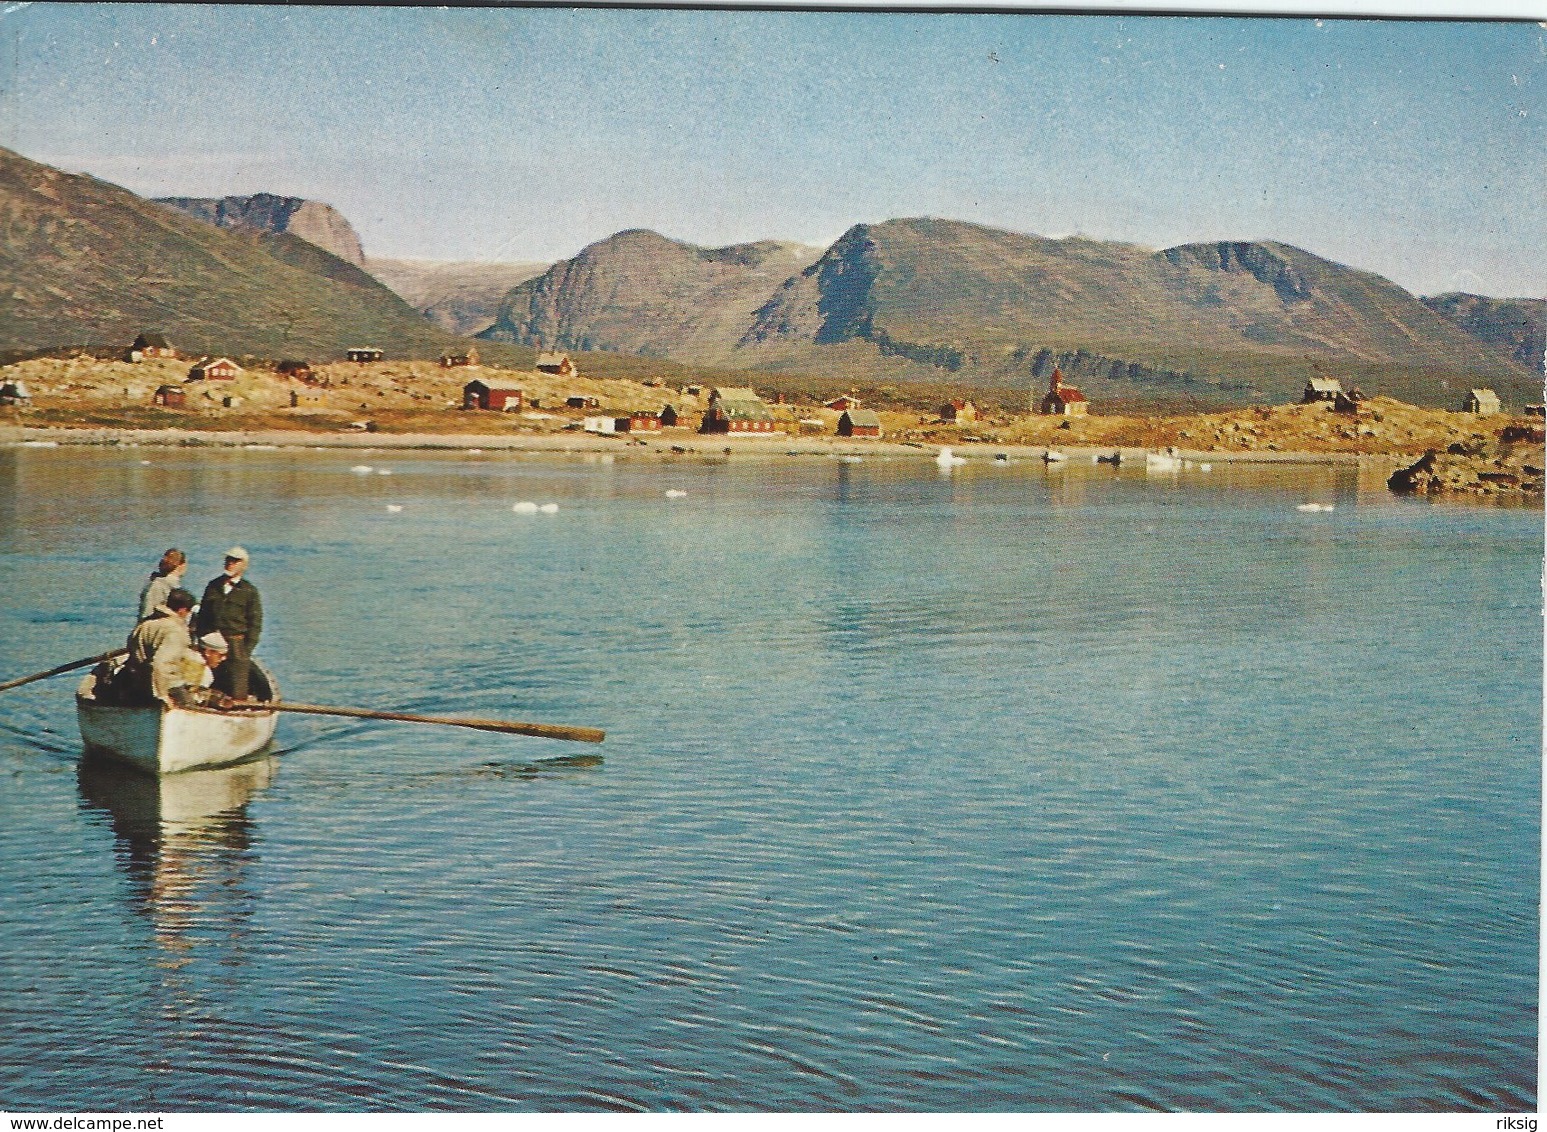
[[294, 368], [14, 393], [1483, 402], [643, 420], [364, 354], [578, 401], [1063, 399], [453, 361], [1321, 389], [556, 364], [214, 369], [1348, 401], [170, 397], [481, 395], [843, 404], [959, 412], [671, 416], [151, 344], [862, 423]]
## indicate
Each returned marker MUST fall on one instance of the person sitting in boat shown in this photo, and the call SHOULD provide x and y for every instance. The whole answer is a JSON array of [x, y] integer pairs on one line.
[[196, 674], [157, 648], [167, 576]]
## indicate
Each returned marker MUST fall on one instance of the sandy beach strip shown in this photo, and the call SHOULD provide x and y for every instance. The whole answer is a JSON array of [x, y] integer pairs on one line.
[[666, 447]]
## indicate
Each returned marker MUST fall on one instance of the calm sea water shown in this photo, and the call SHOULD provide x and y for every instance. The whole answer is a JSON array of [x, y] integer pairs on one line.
[[1003, 789]]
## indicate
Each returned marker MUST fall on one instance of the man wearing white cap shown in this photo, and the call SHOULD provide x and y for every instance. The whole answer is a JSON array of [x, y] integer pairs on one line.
[[231, 608], [196, 673]]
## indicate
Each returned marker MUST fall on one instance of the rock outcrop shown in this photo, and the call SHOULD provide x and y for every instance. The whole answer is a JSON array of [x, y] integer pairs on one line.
[[1509, 463], [309, 220]]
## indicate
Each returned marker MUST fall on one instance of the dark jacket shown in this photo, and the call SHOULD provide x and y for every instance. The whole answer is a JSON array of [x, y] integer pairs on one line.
[[239, 611]]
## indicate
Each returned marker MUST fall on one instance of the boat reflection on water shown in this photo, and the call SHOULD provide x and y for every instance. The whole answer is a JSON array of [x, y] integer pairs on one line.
[[185, 841]]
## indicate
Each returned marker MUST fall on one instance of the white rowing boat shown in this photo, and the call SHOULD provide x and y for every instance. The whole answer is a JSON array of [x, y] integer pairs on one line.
[[166, 740]]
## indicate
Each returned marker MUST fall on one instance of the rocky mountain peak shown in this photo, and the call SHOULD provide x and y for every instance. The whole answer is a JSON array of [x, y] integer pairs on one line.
[[316, 223]]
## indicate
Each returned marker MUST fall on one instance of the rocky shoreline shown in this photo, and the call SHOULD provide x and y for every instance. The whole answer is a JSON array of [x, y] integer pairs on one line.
[[1507, 464]]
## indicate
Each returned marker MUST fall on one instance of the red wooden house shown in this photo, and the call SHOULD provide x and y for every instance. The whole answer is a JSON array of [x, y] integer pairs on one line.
[[862, 423], [214, 369], [959, 411], [481, 395]]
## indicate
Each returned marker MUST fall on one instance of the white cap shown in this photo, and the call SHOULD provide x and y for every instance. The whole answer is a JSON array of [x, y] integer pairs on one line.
[[238, 552], [215, 642]]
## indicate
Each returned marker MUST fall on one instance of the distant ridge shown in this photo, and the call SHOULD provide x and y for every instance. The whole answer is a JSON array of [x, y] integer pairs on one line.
[[1517, 326], [312, 221], [462, 297]]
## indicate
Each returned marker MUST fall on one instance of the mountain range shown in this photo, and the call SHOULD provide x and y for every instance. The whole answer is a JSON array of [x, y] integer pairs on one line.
[[942, 300], [908, 300]]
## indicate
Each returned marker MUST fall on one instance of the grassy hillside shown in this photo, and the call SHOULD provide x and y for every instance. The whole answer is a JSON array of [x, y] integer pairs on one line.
[[94, 264]]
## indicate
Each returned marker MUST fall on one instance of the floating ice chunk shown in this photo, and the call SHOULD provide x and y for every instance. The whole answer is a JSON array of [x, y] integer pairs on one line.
[[383, 471], [144, 463], [525, 507], [549, 508], [675, 493], [946, 460], [1315, 506], [394, 507], [362, 469]]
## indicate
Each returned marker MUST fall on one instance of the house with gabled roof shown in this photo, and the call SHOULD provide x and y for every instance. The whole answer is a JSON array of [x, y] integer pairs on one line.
[[499, 398], [863, 423], [1063, 399], [214, 369], [555, 363], [737, 411], [1483, 402], [1321, 389]]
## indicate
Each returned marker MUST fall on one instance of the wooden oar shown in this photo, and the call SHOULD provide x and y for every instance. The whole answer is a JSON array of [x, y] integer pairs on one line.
[[63, 668], [541, 730]]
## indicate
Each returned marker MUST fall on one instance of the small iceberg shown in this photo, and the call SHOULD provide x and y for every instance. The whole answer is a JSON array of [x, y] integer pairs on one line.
[[947, 460], [525, 507], [362, 469], [394, 508], [549, 508], [383, 471], [676, 493], [1315, 506]]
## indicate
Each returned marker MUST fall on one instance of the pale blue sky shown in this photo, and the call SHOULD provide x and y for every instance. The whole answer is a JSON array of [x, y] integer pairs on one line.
[[1414, 149]]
